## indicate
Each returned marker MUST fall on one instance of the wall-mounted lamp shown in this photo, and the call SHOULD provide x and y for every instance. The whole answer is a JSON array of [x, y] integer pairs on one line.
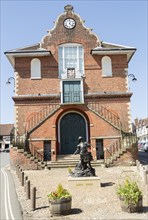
[[133, 77], [9, 81]]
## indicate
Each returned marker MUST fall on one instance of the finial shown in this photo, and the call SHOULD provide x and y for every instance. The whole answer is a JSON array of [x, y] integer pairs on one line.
[[68, 8]]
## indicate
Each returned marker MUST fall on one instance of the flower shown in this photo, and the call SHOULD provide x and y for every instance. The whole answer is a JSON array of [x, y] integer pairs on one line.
[[59, 193]]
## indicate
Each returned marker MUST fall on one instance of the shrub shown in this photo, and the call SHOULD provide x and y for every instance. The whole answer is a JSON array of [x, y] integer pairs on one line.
[[59, 193], [129, 192]]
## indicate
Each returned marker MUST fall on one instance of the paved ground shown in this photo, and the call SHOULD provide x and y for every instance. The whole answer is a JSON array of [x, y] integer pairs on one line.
[[88, 203]]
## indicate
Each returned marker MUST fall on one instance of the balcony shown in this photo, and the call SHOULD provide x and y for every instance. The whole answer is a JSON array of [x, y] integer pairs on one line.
[[72, 97]]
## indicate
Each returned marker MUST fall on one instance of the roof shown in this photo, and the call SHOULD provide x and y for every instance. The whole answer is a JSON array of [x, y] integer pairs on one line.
[[142, 122], [5, 129], [28, 51], [109, 48]]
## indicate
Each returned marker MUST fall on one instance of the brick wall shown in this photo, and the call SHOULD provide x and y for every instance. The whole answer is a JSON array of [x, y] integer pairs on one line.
[[128, 158], [17, 158]]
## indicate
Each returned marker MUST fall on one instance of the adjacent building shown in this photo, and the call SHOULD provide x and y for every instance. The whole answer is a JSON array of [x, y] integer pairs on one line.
[[71, 84], [6, 132], [142, 130]]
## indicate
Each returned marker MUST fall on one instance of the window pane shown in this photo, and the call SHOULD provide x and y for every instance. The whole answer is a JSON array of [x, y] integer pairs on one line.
[[35, 68], [71, 57], [106, 66], [71, 92]]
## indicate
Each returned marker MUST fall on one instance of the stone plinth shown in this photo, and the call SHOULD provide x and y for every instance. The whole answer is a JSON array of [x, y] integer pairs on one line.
[[83, 182]]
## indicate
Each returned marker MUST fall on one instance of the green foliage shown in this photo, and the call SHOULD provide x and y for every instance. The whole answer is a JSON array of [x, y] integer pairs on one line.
[[59, 193], [129, 191]]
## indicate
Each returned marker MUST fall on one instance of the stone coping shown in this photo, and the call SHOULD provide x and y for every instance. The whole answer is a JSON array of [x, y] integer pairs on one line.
[[91, 178]]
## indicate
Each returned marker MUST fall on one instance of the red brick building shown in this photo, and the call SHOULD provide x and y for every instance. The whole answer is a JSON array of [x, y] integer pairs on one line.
[[72, 84]]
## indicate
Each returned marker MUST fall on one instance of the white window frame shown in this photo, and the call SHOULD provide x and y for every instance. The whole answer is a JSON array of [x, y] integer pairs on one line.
[[81, 89], [106, 66], [78, 73], [35, 68]]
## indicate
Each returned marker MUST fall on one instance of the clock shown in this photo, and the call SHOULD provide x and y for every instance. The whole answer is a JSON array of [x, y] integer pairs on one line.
[[69, 23]]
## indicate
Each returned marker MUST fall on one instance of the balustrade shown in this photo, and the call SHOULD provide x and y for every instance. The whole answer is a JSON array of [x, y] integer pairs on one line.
[[41, 115], [105, 114]]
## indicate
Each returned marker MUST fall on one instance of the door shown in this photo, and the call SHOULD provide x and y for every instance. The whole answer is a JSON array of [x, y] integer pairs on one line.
[[99, 149], [72, 126], [47, 150]]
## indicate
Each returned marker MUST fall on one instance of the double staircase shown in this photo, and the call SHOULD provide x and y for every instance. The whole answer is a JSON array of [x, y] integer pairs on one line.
[[105, 114], [40, 117], [112, 152]]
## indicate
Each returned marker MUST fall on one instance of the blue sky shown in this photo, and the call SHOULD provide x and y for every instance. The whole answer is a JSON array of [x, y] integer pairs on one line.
[[122, 22]]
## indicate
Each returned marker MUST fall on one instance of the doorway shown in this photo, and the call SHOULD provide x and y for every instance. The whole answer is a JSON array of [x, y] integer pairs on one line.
[[47, 150], [99, 149], [72, 125]]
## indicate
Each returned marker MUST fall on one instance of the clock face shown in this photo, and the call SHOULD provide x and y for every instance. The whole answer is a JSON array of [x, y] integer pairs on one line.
[[69, 23]]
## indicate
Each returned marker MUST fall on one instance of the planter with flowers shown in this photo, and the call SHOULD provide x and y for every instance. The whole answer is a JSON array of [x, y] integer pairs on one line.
[[60, 201], [130, 196]]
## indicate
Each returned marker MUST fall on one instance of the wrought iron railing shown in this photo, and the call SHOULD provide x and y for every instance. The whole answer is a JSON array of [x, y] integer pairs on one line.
[[41, 115], [119, 146], [36, 152], [72, 97], [106, 114]]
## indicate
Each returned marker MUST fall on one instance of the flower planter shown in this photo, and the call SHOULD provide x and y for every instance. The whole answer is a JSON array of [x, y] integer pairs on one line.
[[131, 207], [60, 206]]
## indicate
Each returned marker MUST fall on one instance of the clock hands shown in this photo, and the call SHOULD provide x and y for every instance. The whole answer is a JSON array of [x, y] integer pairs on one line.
[[69, 23]]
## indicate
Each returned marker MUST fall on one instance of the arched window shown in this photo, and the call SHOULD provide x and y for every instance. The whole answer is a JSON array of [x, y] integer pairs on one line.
[[35, 68], [106, 66]]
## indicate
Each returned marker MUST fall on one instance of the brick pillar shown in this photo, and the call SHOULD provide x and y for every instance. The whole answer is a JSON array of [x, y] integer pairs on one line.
[[53, 150], [93, 148]]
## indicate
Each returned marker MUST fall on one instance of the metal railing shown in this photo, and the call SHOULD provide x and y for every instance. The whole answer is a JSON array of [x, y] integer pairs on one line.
[[41, 115], [36, 152], [106, 114], [119, 146], [72, 97]]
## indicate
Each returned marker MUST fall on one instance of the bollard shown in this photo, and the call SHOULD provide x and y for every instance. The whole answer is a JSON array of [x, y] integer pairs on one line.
[[16, 168], [144, 176], [28, 189], [137, 163], [146, 167], [19, 173], [141, 171], [20, 170], [138, 166], [25, 182], [22, 178], [33, 198]]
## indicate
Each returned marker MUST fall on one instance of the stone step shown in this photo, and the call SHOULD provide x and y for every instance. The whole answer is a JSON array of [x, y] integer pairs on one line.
[[67, 164], [68, 157]]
